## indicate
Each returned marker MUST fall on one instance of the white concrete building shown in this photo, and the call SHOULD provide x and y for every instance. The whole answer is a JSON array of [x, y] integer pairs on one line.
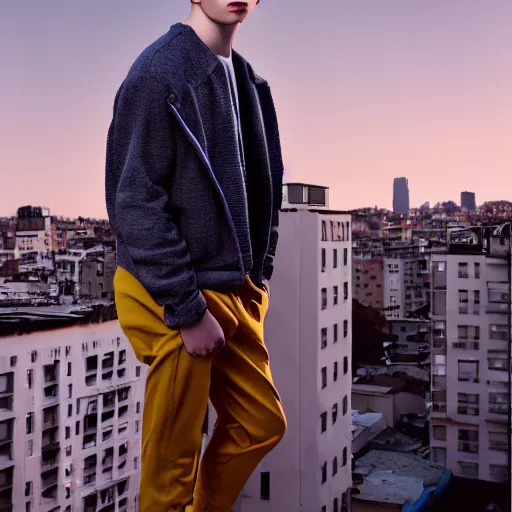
[[309, 336], [70, 414], [471, 356]]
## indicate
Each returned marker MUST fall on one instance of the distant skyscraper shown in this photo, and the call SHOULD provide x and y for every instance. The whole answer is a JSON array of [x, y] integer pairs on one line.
[[468, 201], [401, 196]]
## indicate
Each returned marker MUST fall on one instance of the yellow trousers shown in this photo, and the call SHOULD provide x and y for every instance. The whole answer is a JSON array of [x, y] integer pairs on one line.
[[238, 382]]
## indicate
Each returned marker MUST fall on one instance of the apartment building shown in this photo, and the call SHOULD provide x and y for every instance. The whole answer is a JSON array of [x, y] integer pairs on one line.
[[406, 285], [71, 401], [368, 281], [308, 334], [471, 354]]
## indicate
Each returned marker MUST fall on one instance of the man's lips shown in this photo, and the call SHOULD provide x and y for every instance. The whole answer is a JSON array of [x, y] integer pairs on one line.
[[239, 5]]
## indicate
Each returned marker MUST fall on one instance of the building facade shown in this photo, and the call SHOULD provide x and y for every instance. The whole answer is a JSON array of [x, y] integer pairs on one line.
[[368, 281], [401, 196], [308, 334], [70, 416], [471, 356], [468, 201]]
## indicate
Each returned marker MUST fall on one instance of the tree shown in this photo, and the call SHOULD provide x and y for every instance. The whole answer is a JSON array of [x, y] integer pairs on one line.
[[368, 335]]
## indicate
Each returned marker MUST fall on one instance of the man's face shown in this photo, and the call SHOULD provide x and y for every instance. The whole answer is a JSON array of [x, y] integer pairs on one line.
[[228, 12]]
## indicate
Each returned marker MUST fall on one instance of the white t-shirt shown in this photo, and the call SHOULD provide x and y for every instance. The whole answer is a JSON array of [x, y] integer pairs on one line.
[[230, 73]]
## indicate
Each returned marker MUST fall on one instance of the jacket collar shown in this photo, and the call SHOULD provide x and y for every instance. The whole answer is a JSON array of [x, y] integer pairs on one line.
[[203, 60]]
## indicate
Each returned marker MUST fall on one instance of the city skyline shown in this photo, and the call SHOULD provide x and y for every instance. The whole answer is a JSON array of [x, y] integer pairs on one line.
[[401, 90]]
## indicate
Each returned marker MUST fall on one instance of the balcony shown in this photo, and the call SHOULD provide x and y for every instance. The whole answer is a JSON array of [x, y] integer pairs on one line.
[[438, 409], [439, 344], [468, 446], [499, 308], [50, 446], [468, 410], [439, 382], [497, 345], [466, 345], [49, 484], [49, 464]]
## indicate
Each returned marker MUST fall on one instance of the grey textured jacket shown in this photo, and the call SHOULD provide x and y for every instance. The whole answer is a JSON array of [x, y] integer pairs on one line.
[[175, 193]]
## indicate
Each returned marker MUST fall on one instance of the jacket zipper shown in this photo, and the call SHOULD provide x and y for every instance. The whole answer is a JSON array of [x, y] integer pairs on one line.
[[206, 162], [268, 162]]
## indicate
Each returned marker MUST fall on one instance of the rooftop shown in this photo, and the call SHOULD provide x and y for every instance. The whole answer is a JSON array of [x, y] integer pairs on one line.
[[395, 477], [22, 320]]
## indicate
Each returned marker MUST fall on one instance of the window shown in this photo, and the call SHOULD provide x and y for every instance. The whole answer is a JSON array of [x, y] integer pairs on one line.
[[476, 295], [265, 485], [29, 378], [335, 333], [463, 270], [345, 290], [77, 428], [497, 363], [468, 469], [468, 403], [70, 390], [335, 296], [335, 371], [344, 457], [334, 413], [324, 377], [70, 410], [137, 426], [345, 256], [324, 298], [348, 231], [498, 403], [345, 405], [334, 466], [477, 270], [335, 505], [137, 371], [468, 441], [324, 472], [29, 422], [345, 365], [439, 456], [498, 332], [137, 408], [14, 359], [439, 432], [323, 422], [468, 371], [30, 448], [323, 337], [463, 296], [335, 258], [498, 473], [324, 231], [345, 328], [68, 451], [324, 260], [28, 489], [69, 370], [498, 441], [68, 432]]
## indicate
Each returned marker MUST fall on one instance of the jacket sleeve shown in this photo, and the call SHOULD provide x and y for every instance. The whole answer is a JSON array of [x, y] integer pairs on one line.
[[142, 141]]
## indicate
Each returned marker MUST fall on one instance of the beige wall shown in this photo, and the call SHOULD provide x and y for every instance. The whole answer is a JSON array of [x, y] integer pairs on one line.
[[375, 403], [408, 402]]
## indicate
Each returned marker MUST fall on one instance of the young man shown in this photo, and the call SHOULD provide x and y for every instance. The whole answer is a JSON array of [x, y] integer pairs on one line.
[[193, 190]]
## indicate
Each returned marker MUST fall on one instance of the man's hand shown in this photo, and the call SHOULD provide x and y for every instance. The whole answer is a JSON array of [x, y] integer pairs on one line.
[[204, 338]]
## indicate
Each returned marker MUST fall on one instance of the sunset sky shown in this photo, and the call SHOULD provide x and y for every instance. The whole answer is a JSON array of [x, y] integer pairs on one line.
[[365, 90]]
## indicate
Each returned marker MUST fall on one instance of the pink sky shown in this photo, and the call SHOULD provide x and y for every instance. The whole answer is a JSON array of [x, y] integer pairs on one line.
[[365, 91]]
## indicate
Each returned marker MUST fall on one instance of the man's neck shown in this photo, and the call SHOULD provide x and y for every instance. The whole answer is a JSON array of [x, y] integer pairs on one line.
[[219, 38]]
